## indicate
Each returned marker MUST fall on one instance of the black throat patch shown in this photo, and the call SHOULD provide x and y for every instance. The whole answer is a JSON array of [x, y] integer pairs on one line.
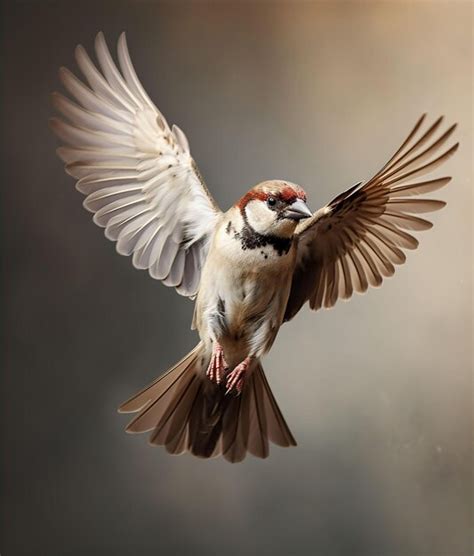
[[251, 239]]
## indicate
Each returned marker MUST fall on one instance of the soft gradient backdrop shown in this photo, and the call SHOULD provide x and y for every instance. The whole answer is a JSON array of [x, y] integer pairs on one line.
[[377, 391]]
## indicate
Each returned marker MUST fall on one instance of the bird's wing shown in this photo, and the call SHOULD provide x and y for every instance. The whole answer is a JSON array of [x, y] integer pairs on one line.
[[137, 173], [356, 239]]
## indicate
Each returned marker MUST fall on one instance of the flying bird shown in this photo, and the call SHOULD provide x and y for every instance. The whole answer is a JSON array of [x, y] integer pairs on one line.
[[249, 269]]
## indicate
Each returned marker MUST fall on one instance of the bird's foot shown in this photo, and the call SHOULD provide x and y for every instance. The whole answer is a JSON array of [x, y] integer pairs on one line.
[[217, 366], [236, 378]]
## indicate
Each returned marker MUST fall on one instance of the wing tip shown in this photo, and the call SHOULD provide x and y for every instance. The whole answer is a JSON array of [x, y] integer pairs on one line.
[[122, 40], [100, 46], [97, 222], [446, 180], [452, 127], [122, 409], [55, 99], [79, 49], [129, 430], [86, 204], [62, 155], [421, 119], [55, 124], [70, 167]]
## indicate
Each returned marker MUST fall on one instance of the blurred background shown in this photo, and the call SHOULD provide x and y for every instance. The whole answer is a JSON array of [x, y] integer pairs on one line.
[[317, 93]]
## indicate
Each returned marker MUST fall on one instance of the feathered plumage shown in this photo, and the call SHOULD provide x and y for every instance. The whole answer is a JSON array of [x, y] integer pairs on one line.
[[250, 268], [135, 170]]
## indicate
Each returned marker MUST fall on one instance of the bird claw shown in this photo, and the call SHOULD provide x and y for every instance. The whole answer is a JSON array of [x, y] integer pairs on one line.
[[236, 379], [217, 366]]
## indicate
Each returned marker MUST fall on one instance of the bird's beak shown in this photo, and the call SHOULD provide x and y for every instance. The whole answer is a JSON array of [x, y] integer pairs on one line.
[[297, 211]]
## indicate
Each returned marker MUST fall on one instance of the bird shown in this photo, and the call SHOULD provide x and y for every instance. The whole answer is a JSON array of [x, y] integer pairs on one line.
[[249, 269]]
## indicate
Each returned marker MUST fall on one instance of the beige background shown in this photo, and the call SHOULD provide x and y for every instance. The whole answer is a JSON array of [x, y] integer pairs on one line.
[[377, 391]]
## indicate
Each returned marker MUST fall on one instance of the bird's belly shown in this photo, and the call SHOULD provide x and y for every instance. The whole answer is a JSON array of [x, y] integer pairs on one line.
[[249, 303], [251, 309]]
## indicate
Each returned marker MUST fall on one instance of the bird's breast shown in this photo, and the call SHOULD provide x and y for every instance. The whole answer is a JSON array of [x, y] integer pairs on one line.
[[248, 284], [251, 251]]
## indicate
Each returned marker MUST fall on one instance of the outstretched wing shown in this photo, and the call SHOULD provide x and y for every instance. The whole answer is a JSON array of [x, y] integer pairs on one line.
[[356, 239], [137, 173]]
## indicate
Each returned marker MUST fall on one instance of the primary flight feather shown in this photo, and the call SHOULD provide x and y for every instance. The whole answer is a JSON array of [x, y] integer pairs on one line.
[[250, 269]]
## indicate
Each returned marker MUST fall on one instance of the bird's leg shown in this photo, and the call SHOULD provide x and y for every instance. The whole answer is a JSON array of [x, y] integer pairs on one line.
[[236, 378], [217, 366]]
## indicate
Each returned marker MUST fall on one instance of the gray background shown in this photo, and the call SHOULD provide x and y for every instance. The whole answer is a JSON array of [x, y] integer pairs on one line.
[[377, 391]]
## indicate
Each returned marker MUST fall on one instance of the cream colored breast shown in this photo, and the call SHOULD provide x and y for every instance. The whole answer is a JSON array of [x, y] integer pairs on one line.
[[232, 247]]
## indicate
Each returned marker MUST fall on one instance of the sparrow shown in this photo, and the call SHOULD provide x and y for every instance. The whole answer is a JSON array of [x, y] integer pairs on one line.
[[249, 269]]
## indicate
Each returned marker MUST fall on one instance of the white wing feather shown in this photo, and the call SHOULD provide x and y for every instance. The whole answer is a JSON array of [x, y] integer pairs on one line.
[[137, 173]]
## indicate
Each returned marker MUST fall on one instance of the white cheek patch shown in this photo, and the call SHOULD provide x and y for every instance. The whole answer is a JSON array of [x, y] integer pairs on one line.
[[260, 217], [264, 220]]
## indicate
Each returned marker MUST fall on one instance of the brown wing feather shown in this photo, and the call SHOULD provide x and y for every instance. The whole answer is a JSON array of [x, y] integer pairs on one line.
[[356, 239]]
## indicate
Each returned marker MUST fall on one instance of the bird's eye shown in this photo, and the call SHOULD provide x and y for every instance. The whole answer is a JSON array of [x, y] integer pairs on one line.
[[271, 201]]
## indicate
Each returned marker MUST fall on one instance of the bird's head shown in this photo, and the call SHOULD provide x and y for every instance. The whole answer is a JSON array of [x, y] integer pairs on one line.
[[274, 207]]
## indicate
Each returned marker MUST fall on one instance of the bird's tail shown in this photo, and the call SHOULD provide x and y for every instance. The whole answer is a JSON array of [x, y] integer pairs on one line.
[[187, 412]]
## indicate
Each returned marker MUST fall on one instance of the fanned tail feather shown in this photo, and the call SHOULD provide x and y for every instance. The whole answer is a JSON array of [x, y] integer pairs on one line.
[[187, 412]]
